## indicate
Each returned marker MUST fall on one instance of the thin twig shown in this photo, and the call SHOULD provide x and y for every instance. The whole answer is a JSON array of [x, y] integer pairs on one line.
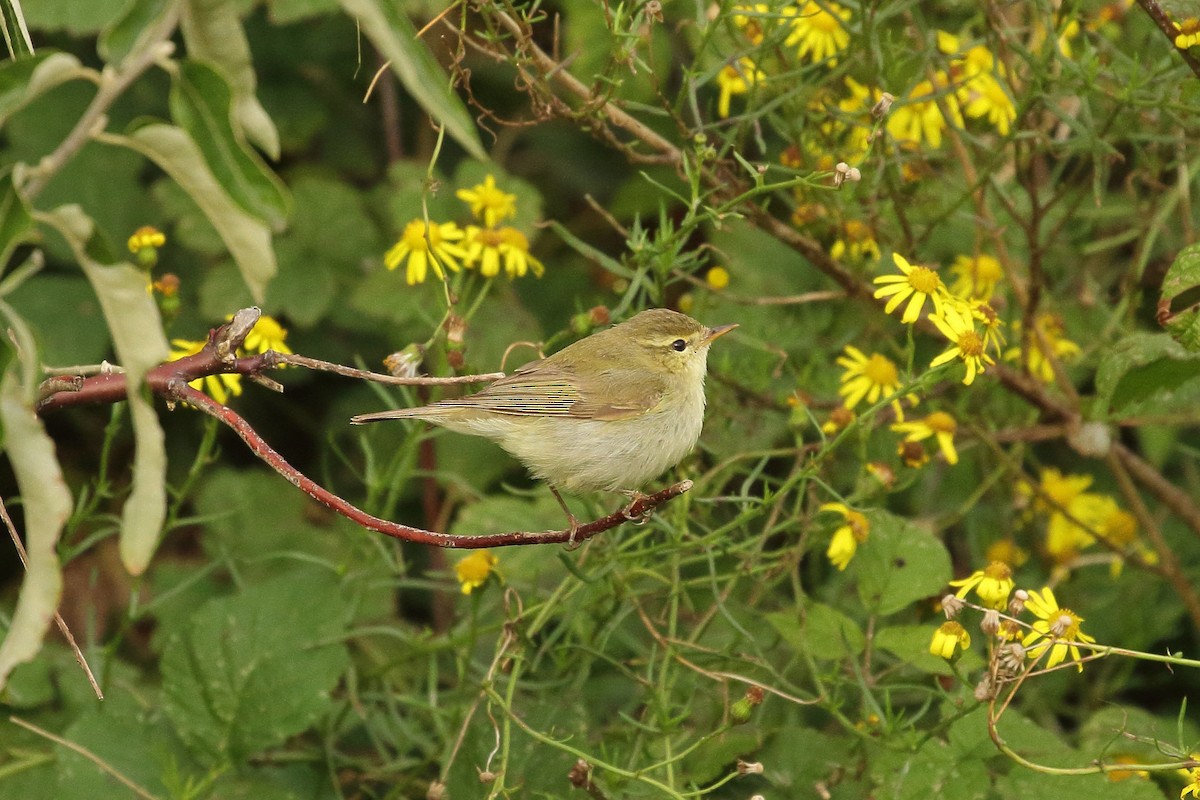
[[350, 372], [86, 753], [181, 392], [62, 626]]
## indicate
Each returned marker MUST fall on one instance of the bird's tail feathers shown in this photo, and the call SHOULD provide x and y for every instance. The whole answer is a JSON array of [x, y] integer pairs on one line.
[[396, 413]]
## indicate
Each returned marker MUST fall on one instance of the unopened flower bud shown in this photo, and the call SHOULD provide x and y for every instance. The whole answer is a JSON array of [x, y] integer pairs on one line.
[[167, 285], [839, 173], [580, 774], [1016, 603], [406, 363], [882, 105], [951, 606], [456, 331]]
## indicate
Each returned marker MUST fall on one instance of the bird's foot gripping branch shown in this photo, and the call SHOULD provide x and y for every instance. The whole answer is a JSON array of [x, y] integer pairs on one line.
[[170, 382]]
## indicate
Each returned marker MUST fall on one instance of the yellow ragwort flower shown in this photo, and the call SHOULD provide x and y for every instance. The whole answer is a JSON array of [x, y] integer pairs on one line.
[[473, 571], [1189, 33], [856, 242], [966, 344], [872, 378], [915, 284], [488, 203], [219, 387], [979, 85], [1040, 367], [939, 425], [948, 639], [424, 248], [847, 538], [1056, 628], [975, 277], [985, 315], [736, 79], [819, 30], [1192, 776], [919, 117], [489, 248], [993, 584], [752, 20]]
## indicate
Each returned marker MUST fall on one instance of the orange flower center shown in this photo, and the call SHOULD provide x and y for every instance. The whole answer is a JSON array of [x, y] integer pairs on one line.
[[998, 571], [970, 344]]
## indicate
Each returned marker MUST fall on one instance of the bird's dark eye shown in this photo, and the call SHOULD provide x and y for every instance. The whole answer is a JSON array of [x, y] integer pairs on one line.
[[679, 345]]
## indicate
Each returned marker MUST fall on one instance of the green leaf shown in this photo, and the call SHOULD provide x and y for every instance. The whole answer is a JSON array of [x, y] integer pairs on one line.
[[247, 237], [123, 35], [254, 669], [395, 38], [899, 564], [201, 102], [16, 32], [16, 225], [822, 630], [77, 17], [137, 334], [1180, 298], [23, 81], [1146, 373], [929, 772], [44, 497], [138, 744], [213, 32]]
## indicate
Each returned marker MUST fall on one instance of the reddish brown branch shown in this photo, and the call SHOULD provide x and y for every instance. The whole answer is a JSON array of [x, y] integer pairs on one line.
[[644, 505], [170, 381]]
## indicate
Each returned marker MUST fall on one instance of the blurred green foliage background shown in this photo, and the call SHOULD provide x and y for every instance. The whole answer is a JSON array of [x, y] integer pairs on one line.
[[251, 643]]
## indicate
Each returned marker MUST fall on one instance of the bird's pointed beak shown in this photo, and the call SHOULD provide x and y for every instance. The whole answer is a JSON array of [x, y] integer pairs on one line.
[[717, 332]]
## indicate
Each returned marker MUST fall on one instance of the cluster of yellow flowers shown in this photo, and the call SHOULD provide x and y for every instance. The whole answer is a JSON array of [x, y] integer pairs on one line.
[[1054, 633], [816, 31], [1077, 518], [441, 246]]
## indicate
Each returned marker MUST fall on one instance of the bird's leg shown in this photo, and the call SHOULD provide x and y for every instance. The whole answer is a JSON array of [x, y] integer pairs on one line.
[[635, 497], [574, 522]]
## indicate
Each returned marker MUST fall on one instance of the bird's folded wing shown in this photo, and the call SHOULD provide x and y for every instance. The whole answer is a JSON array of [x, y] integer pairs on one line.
[[546, 390]]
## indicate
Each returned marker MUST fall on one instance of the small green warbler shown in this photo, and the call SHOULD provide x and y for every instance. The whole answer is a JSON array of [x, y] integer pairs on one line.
[[609, 412]]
